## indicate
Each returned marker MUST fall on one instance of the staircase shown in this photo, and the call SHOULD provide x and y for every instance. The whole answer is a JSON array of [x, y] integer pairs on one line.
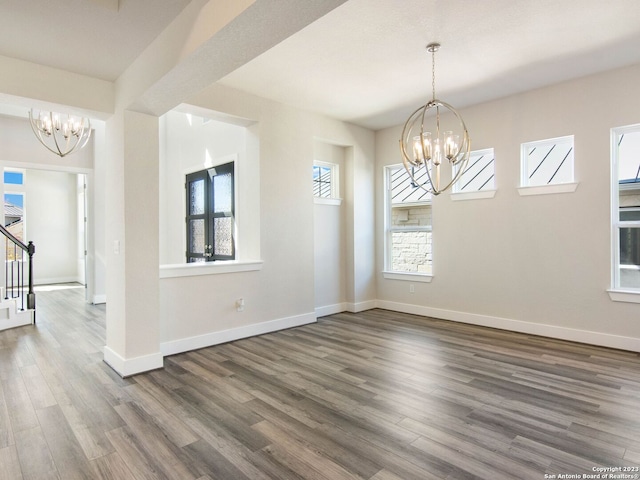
[[17, 299]]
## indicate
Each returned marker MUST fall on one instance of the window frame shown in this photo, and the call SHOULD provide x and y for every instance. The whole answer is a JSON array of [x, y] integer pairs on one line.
[[210, 214], [389, 229], [17, 189], [527, 188], [334, 183], [617, 292], [458, 194]]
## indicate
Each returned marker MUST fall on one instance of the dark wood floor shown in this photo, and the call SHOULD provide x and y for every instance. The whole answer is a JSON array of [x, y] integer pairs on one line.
[[376, 395]]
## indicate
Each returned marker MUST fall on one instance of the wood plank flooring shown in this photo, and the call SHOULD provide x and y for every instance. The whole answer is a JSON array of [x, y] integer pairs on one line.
[[377, 395]]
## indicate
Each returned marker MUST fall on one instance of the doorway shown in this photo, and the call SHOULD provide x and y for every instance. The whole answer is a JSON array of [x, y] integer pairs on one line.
[[49, 208]]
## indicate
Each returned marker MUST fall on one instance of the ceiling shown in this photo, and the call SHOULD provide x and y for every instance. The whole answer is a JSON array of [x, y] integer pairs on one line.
[[365, 61], [98, 38]]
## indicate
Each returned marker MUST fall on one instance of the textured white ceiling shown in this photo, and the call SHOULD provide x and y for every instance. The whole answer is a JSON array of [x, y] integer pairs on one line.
[[98, 38], [364, 62]]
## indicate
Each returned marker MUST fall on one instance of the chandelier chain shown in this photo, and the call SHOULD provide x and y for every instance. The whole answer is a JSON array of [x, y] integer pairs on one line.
[[433, 73]]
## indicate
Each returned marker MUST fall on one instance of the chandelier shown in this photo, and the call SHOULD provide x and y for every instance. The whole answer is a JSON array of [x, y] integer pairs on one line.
[[60, 134], [425, 146]]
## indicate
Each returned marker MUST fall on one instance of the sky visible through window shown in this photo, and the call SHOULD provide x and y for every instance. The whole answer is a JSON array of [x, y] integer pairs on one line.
[[14, 178]]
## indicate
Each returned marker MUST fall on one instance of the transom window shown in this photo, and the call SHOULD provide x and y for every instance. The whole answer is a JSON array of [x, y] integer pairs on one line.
[[325, 180], [626, 207], [210, 214], [547, 162], [408, 236], [480, 173]]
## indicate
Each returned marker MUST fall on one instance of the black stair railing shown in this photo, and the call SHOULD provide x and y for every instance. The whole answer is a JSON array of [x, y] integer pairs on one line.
[[14, 279]]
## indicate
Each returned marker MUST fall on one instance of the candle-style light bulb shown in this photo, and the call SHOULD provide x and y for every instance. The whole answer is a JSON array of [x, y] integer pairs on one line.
[[417, 151], [422, 148], [437, 154], [450, 145]]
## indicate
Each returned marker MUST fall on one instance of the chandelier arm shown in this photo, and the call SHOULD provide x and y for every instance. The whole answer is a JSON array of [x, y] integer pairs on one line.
[[79, 138], [55, 138], [424, 165], [38, 134], [424, 108], [406, 132], [406, 160], [86, 129], [69, 145], [432, 190]]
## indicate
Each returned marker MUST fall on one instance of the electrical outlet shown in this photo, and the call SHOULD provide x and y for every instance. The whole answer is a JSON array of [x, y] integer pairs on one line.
[[412, 288], [240, 305]]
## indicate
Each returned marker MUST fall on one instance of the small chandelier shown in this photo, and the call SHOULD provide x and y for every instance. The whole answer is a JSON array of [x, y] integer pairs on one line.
[[425, 147], [60, 134]]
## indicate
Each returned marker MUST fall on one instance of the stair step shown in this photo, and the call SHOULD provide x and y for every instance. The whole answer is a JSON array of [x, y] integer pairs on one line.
[[12, 316]]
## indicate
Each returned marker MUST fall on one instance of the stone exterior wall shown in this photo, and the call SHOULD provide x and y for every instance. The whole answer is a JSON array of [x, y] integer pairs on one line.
[[629, 199], [411, 251]]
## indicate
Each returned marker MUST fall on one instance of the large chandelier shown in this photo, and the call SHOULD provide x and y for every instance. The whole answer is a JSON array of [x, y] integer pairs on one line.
[[429, 140], [60, 133]]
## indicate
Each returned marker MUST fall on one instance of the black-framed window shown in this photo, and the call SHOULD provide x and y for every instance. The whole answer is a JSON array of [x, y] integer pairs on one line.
[[210, 214]]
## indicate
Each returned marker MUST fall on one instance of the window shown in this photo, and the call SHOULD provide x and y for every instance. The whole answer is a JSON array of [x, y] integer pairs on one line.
[[626, 207], [13, 177], [210, 214], [479, 175], [14, 218], [408, 225], [325, 180], [547, 162]]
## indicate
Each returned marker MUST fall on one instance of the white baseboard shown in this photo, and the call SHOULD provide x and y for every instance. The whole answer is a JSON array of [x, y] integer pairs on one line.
[[215, 338], [97, 299], [361, 306], [345, 307], [54, 280], [552, 331], [125, 367], [331, 309]]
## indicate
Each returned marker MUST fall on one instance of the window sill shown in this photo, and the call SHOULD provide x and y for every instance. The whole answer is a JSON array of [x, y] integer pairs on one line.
[[458, 196], [327, 201], [410, 277], [548, 189], [210, 268], [629, 296]]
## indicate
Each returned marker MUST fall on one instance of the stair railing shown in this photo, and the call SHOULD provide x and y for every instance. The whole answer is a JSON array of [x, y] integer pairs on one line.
[[14, 279]]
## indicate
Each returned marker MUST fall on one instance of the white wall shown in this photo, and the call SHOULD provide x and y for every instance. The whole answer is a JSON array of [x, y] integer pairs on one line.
[[330, 239], [539, 264], [51, 208], [196, 310]]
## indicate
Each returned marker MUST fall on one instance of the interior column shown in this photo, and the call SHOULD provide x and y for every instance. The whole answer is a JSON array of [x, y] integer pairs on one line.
[[132, 206]]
